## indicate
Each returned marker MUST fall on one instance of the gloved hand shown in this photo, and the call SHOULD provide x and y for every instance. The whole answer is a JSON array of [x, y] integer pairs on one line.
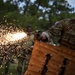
[[44, 37]]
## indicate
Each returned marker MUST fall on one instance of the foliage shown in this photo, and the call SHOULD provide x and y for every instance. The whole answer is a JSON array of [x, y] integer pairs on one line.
[[12, 71], [40, 14]]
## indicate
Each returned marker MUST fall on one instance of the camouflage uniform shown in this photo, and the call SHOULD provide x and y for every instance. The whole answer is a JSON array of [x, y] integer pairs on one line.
[[24, 55], [63, 30]]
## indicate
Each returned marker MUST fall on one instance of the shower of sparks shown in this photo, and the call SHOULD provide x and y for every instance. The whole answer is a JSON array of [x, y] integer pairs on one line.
[[13, 37]]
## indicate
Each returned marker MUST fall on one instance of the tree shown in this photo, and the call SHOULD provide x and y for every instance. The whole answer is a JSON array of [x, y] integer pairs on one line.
[[5, 8], [46, 12], [60, 9]]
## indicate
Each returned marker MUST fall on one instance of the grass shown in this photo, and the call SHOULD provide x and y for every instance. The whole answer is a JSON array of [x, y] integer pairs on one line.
[[12, 69]]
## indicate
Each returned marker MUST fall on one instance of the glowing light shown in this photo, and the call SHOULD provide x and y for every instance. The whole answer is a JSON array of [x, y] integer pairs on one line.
[[13, 37]]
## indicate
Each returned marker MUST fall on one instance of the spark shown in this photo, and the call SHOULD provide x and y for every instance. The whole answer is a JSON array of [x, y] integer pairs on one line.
[[13, 37]]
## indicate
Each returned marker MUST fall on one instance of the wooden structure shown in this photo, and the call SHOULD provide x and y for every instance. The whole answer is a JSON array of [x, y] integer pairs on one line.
[[47, 59]]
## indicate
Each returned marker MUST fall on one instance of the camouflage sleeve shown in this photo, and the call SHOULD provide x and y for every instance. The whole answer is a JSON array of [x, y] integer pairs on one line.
[[56, 29]]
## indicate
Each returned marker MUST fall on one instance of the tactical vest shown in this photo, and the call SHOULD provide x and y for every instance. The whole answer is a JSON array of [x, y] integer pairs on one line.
[[68, 39]]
